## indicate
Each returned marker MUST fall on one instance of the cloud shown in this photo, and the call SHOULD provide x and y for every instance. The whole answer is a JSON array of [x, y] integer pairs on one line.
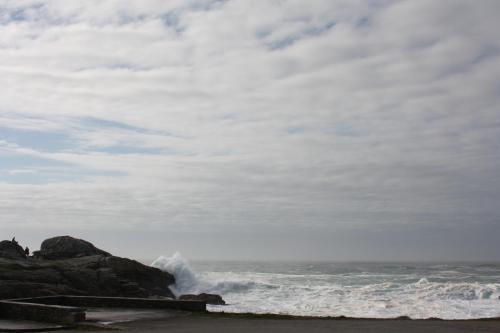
[[318, 114], [21, 171]]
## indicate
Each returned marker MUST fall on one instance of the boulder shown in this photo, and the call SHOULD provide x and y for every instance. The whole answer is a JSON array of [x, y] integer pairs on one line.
[[208, 298], [11, 250], [65, 247]]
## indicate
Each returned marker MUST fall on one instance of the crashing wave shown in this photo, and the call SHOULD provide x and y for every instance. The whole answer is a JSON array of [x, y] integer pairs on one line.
[[353, 294], [190, 282]]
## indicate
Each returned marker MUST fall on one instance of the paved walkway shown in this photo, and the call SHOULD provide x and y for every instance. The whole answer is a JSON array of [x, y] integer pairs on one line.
[[7, 325], [207, 324], [95, 316], [116, 315]]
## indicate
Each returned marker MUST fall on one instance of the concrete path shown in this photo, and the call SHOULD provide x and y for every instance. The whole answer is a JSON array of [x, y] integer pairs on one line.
[[7, 325], [220, 324], [116, 315]]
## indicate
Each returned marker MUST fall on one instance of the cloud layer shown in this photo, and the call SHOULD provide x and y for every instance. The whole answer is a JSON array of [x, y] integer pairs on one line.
[[250, 115]]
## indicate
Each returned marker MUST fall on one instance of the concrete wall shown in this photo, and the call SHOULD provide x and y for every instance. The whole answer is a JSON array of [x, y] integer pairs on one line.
[[49, 300], [41, 312], [117, 302], [71, 309], [125, 302]]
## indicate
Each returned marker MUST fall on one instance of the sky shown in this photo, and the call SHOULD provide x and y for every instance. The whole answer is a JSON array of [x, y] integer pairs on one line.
[[253, 130]]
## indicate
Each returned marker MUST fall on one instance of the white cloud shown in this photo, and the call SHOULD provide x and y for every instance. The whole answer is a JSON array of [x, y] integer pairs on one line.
[[21, 171], [395, 102]]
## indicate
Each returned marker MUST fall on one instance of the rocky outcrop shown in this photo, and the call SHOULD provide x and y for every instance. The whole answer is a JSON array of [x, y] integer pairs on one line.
[[94, 275], [11, 250], [208, 298], [66, 247]]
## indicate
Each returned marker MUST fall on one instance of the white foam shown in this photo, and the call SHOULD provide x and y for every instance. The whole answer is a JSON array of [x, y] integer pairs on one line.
[[329, 295], [190, 282], [185, 278]]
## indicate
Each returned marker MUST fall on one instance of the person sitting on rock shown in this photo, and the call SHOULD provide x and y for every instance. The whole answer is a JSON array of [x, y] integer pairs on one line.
[[27, 251]]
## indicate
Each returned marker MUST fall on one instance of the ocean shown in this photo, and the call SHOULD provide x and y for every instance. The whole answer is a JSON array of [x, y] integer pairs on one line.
[[364, 290]]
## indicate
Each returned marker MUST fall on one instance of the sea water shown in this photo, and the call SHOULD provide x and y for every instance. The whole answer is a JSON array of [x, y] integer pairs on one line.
[[370, 290]]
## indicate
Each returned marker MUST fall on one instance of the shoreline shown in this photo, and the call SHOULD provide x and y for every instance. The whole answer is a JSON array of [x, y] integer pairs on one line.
[[249, 315], [209, 322]]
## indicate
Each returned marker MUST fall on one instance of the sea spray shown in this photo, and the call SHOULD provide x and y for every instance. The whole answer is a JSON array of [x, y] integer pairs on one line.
[[333, 289], [186, 280]]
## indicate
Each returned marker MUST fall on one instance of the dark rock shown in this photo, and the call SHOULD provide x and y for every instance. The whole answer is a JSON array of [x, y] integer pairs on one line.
[[96, 275], [148, 278], [11, 250], [65, 247], [208, 298], [403, 318], [19, 289]]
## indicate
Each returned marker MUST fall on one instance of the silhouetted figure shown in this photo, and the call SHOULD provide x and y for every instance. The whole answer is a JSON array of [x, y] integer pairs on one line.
[[27, 251], [14, 240]]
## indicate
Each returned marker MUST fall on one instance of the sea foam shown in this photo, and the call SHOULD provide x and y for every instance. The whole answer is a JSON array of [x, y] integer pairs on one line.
[[378, 293], [186, 279], [190, 282]]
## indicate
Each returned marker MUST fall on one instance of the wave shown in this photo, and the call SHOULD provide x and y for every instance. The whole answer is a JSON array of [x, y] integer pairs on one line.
[[380, 296], [457, 291], [187, 281], [185, 278]]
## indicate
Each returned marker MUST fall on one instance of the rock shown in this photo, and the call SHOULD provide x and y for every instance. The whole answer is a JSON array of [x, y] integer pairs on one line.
[[65, 247], [19, 289], [91, 275], [148, 278], [208, 298], [11, 250]]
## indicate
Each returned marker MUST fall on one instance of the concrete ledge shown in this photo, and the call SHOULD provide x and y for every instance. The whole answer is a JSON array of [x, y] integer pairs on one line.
[[116, 302], [41, 312], [125, 302], [49, 300]]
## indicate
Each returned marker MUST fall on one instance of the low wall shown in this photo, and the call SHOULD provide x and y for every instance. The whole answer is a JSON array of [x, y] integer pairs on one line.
[[117, 302], [126, 302], [49, 300], [41, 312]]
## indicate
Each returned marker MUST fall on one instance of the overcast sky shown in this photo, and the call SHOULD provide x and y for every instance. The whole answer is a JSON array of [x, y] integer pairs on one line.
[[326, 130]]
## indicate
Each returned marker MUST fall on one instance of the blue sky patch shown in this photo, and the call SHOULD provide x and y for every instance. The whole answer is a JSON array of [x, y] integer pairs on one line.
[[9, 160], [292, 39], [28, 169], [124, 149], [97, 123], [37, 140], [104, 123], [46, 176]]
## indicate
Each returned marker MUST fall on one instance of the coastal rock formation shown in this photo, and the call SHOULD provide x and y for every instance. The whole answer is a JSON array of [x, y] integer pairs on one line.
[[100, 274], [66, 247], [11, 250], [208, 298]]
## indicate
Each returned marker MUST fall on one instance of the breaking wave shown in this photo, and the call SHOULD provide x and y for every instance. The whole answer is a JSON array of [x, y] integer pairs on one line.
[[386, 293], [190, 282]]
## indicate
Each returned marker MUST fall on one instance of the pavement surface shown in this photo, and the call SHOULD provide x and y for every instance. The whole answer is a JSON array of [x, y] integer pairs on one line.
[[220, 324], [7, 325], [149, 321], [109, 316]]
